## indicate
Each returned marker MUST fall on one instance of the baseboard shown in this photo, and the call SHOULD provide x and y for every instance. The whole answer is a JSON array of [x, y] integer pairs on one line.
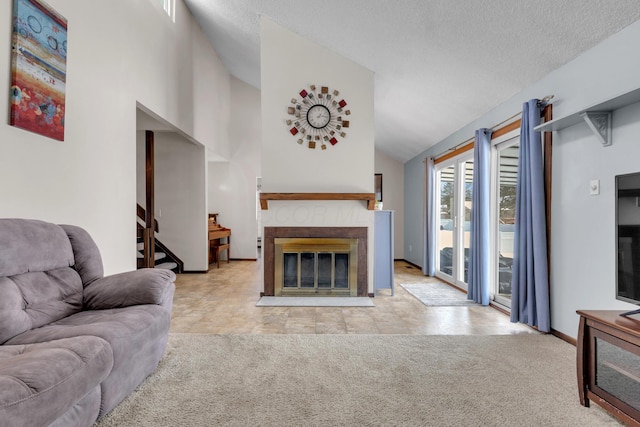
[[195, 272], [564, 337], [411, 264], [244, 259], [500, 308]]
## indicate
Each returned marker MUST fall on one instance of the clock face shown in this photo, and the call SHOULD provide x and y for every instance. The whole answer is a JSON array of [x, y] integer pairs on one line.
[[318, 116]]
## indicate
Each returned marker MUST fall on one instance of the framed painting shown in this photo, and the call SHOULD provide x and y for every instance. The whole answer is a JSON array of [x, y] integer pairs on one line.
[[38, 69]]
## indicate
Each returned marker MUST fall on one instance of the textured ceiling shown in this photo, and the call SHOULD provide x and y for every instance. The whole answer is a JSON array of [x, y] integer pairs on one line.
[[438, 64]]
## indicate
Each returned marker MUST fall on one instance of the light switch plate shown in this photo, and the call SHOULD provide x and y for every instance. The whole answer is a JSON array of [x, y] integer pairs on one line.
[[594, 187]]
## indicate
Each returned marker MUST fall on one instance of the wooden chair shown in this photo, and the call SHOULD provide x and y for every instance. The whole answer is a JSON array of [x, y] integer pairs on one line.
[[217, 249]]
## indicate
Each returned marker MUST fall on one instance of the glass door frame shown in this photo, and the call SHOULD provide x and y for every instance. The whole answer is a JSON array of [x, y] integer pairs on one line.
[[499, 144], [459, 165]]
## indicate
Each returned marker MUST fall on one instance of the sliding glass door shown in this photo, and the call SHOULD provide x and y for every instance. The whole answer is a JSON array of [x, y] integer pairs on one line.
[[454, 185], [504, 206]]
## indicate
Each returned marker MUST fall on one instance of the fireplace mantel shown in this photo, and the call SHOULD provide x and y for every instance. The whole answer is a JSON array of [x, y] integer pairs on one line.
[[370, 198]]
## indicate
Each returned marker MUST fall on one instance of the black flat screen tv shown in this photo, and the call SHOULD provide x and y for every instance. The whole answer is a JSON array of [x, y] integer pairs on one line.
[[628, 239]]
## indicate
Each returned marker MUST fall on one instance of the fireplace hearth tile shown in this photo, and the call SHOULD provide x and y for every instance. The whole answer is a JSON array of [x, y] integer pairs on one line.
[[315, 302]]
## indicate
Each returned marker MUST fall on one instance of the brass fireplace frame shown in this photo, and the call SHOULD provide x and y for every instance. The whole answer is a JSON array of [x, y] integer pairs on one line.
[[317, 245]]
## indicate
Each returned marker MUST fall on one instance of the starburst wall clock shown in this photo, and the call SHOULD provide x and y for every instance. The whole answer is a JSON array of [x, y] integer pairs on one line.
[[318, 117]]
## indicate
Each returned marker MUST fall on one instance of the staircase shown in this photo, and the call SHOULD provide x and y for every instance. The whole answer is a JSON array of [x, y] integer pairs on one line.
[[160, 256]]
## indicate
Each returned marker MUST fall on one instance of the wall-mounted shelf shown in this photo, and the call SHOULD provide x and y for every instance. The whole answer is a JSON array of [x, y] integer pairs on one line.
[[597, 116], [370, 198]]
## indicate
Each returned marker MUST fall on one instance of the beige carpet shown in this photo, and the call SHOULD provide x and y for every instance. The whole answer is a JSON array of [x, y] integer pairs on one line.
[[360, 380]]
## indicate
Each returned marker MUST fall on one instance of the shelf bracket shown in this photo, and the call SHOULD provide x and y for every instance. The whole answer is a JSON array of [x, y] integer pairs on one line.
[[600, 124]]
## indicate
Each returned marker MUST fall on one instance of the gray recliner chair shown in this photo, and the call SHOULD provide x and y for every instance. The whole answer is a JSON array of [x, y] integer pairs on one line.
[[73, 342]]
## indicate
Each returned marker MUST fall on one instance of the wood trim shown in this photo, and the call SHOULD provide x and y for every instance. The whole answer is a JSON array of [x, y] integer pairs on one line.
[[149, 219], [419, 267], [581, 350], [547, 114], [470, 146], [506, 129], [613, 410], [150, 182], [370, 198], [499, 308], [142, 215], [454, 153], [564, 337]]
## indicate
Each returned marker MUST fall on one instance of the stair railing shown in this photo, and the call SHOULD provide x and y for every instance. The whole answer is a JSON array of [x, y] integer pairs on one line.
[[148, 238]]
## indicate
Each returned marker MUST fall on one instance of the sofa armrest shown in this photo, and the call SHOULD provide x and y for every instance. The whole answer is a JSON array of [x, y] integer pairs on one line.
[[144, 286]]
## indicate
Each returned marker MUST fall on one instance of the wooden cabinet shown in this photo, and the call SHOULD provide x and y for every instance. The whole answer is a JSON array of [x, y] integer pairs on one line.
[[383, 251], [608, 363]]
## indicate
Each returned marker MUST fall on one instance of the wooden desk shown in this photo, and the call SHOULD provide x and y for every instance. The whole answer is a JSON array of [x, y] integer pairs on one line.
[[216, 244]]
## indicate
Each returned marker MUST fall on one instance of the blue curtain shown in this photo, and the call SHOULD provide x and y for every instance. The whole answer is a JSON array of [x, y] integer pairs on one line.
[[529, 282], [480, 249], [429, 252]]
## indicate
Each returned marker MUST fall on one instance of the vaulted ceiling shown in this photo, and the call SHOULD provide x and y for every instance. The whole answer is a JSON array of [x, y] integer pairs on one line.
[[438, 64]]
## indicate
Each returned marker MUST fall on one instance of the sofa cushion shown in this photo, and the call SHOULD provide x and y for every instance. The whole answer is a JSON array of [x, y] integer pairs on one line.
[[137, 335], [41, 382], [31, 245], [37, 282], [84, 413], [88, 262], [31, 300]]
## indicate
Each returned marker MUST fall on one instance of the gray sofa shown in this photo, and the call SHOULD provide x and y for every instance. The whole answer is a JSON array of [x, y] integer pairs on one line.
[[73, 342]]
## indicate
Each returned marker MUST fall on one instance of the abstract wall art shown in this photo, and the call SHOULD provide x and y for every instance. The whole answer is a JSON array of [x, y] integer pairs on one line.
[[38, 69]]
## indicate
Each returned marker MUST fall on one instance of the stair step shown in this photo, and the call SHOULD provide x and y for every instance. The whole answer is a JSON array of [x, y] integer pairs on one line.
[[157, 255], [167, 265]]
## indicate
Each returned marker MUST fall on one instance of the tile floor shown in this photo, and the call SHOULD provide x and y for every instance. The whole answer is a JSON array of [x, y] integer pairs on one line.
[[223, 301]]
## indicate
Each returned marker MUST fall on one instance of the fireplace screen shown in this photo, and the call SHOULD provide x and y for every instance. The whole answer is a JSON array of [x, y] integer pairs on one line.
[[315, 270], [322, 266]]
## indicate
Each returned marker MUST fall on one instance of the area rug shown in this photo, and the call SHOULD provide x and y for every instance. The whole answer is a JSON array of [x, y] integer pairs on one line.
[[436, 293], [360, 380], [315, 302]]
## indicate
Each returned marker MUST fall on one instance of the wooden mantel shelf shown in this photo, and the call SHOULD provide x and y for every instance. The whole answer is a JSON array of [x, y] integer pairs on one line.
[[370, 198]]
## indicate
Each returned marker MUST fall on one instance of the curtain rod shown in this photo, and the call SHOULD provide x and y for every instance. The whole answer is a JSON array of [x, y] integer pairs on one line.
[[467, 141]]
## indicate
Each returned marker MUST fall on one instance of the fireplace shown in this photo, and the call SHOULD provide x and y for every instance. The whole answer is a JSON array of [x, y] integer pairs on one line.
[[311, 265], [315, 261]]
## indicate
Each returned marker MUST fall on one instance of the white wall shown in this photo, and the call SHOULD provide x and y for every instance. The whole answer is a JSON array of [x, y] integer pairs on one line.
[[211, 88], [119, 52], [393, 195], [290, 63], [232, 184], [582, 243]]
